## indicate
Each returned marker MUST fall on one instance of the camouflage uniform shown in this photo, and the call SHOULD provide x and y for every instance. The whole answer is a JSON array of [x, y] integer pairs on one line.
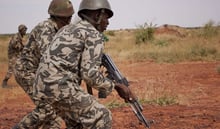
[[26, 67], [60, 12], [73, 56], [27, 64], [14, 51]]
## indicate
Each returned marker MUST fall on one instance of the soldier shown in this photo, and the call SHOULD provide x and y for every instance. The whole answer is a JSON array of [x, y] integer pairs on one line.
[[75, 55], [14, 51], [60, 12]]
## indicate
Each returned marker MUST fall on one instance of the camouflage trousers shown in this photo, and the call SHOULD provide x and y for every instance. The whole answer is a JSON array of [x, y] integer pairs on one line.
[[44, 116], [25, 80], [11, 66], [82, 111]]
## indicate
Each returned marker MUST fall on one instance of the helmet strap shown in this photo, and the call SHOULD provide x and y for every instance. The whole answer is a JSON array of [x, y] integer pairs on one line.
[[100, 19], [100, 16]]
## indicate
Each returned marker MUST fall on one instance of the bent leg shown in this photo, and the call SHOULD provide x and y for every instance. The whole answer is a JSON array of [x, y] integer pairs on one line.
[[44, 115], [85, 110]]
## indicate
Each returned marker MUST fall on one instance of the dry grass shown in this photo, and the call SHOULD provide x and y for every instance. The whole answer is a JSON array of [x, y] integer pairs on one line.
[[166, 47], [3, 48], [121, 46]]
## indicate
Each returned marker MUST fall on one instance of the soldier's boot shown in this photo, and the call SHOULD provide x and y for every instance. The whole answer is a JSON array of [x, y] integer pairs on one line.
[[15, 127], [4, 83]]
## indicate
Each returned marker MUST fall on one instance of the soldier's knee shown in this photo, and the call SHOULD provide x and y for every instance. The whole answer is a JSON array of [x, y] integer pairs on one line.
[[107, 114], [106, 120]]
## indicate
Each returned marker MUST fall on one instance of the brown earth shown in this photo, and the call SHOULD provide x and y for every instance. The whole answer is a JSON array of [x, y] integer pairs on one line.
[[195, 85]]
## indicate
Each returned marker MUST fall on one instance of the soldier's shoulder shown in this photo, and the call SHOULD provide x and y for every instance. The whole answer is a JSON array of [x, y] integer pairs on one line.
[[15, 36], [43, 24]]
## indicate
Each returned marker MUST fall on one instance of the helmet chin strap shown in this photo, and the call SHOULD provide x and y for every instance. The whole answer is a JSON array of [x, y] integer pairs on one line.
[[100, 19], [101, 16]]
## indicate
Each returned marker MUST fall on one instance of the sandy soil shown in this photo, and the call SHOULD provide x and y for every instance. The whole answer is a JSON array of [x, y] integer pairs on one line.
[[195, 85]]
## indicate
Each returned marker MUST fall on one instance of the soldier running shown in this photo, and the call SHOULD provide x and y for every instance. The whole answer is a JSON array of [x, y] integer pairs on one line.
[[60, 12], [14, 51]]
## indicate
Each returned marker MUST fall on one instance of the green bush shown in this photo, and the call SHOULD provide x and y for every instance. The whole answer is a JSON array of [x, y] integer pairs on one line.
[[209, 30], [144, 33], [166, 100]]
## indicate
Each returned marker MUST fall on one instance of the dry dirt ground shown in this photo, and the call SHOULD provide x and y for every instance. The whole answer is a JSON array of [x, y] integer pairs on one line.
[[196, 86]]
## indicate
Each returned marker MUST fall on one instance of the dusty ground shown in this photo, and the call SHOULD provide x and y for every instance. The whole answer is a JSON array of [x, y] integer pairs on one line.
[[195, 85]]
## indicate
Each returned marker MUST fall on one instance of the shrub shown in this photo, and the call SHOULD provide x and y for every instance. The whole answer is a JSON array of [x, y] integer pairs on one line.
[[166, 100], [209, 30], [145, 33]]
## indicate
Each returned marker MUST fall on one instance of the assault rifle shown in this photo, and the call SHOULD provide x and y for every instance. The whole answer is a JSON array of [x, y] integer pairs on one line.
[[113, 73]]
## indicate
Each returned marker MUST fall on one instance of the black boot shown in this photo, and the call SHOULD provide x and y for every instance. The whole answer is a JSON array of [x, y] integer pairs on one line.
[[4, 83], [15, 127]]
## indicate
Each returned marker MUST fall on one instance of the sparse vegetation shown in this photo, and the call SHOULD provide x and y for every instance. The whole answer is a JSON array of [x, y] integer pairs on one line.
[[4, 39], [144, 33], [165, 100], [166, 47], [110, 32], [209, 30], [115, 104], [162, 100]]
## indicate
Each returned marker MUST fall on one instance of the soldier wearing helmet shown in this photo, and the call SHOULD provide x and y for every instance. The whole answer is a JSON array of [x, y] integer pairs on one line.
[[102, 9], [75, 56], [60, 12], [22, 29], [15, 47]]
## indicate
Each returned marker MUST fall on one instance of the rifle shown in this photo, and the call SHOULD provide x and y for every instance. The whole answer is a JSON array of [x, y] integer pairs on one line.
[[114, 74]]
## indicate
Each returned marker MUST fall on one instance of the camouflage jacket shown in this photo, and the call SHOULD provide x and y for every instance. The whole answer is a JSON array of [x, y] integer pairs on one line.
[[15, 46], [74, 55], [37, 42]]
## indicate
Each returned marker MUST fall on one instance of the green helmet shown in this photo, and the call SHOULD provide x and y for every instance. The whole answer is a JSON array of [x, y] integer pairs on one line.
[[61, 8], [21, 27], [95, 5]]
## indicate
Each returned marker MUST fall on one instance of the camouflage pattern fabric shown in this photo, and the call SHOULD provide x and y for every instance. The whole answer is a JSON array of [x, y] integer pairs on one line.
[[25, 71], [44, 116], [37, 43], [74, 55], [14, 51]]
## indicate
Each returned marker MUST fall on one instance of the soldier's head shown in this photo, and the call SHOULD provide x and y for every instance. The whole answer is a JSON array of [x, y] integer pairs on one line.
[[97, 12], [22, 29], [61, 11]]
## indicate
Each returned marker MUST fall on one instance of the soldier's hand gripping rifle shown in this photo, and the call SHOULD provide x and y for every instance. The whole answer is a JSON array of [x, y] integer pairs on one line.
[[114, 74]]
